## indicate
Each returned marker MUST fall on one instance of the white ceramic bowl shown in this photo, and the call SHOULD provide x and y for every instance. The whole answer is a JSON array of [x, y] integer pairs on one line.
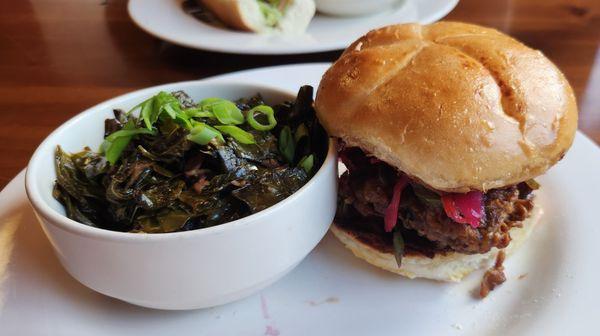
[[355, 7], [182, 270]]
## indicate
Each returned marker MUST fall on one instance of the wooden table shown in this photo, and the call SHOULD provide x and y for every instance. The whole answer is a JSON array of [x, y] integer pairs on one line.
[[58, 57]]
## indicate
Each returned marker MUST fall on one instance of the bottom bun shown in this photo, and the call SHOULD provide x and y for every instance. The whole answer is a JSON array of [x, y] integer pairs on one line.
[[450, 266]]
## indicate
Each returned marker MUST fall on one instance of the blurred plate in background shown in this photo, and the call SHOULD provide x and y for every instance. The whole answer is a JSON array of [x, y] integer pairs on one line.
[[167, 20]]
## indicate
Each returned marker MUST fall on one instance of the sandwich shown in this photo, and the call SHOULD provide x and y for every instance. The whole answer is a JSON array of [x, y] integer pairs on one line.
[[285, 16], [442, 130]]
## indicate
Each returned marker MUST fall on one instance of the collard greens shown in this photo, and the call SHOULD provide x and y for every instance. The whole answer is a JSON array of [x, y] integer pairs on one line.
[[179, 165]]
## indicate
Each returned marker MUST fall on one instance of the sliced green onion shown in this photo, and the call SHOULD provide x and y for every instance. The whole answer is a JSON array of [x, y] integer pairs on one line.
[[127, 133], [398, 246], [171, 111], [287, 147], [133, 109], [203, 134], [267, 111], [307, 163], [183, 120], [197, 112], [114, 144], [146, 112], [224, 110], [153, 108], [168, 103], [113, 150], [237, 133], [207, 102]]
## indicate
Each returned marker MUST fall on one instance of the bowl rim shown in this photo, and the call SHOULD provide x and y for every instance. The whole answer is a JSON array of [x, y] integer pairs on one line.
[[62, 221]]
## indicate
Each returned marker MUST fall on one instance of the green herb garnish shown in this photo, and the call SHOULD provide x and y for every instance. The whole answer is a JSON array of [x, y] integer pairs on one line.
[[264, 110], [152, 108], [224, 110], [237, 133], [203, 134], [115, 143], [198, 112]]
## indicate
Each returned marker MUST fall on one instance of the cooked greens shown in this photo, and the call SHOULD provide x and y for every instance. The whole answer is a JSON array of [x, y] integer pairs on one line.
[[179, 165]]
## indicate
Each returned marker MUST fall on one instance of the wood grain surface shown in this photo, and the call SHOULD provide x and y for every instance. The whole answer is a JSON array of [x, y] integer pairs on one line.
[[58, 57]]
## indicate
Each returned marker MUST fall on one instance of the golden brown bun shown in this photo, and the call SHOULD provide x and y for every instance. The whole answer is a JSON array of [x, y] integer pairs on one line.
[[447, 267], [455, 106]]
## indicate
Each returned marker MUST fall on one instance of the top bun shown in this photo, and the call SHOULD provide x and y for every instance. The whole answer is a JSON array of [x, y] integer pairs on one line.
[[455, 106]]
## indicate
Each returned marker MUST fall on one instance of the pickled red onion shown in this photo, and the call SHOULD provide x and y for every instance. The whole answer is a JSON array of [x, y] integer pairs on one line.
[[464, 208], [391, 213]]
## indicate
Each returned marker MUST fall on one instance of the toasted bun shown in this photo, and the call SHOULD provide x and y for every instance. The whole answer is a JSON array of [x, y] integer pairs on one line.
[[451, 266], [246, 15], [456, 106]]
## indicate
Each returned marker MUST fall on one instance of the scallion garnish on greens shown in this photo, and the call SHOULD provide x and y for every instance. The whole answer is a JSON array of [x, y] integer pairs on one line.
[[264, 110], [207, 121]]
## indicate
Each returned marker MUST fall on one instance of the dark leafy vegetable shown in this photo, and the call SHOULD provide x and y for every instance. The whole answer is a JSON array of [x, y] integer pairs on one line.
[[264, 150], [427, 196], [268, 187], [180, 166], [398, 242]]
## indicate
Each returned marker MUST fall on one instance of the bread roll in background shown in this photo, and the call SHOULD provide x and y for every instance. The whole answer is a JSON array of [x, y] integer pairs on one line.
[[455, 106], [238, 14], [246, 15]]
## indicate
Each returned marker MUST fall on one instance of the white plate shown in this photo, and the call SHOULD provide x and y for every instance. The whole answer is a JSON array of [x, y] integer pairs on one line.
[[332, 292], [166, 20]]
